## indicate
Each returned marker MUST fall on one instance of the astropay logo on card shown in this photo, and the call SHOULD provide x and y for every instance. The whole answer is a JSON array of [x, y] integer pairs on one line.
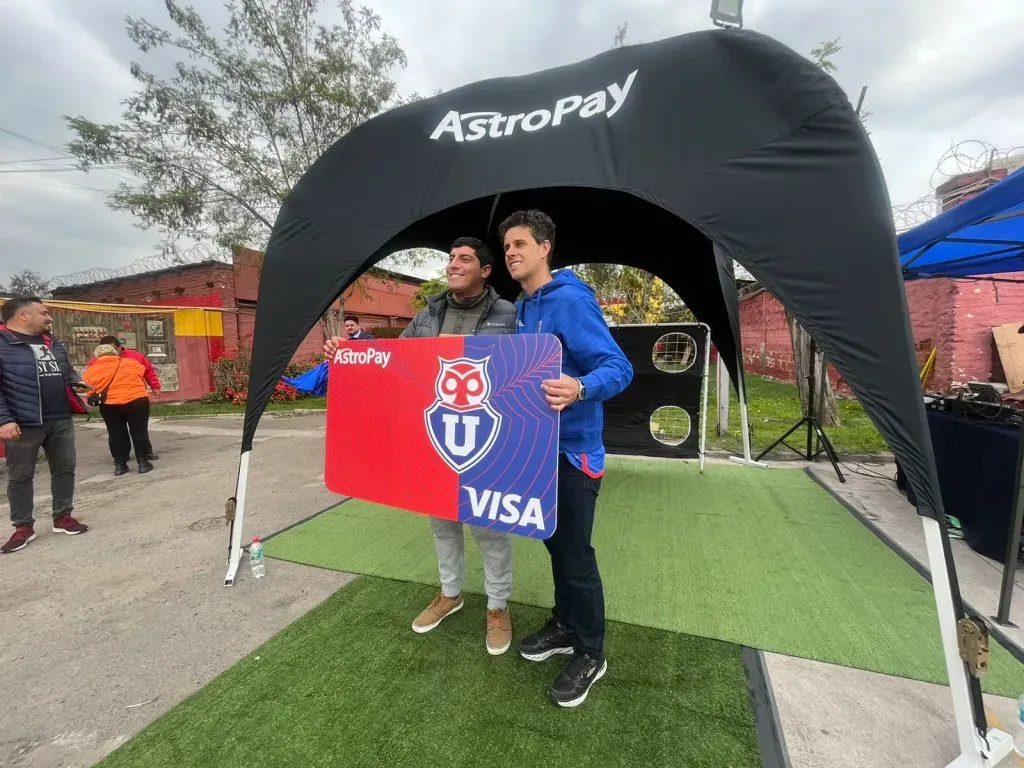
[[368, 356]]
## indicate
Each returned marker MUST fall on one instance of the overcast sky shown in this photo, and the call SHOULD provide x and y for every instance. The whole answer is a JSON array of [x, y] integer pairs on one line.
[[938, 71]]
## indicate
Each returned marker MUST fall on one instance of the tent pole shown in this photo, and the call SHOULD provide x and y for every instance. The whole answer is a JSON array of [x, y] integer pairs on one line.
[[235, 541], [1012, 541], [974, 753], [722, 396], [704, 391], [744, 422]]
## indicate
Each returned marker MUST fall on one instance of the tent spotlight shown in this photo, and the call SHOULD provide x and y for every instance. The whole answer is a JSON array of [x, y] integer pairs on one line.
[[727, 13]]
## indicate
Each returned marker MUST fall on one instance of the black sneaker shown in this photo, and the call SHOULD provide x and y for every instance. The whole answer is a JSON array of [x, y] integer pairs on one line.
[[550, 639], [571, 687]]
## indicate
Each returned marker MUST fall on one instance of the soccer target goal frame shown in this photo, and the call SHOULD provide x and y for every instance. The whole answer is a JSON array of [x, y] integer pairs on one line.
[[663, 413]]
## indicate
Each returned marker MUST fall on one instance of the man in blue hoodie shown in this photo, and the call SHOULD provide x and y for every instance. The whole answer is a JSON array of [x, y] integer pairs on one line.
[[594, 369]]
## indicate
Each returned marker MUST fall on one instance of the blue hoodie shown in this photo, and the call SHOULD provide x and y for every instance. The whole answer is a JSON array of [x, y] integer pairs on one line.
[[567, 308]]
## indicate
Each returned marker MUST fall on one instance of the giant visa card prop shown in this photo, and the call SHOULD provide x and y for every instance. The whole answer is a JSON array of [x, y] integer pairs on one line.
[[455, 427]]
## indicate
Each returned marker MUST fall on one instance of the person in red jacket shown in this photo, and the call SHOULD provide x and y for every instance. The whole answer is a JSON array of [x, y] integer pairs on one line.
[[150, 376]]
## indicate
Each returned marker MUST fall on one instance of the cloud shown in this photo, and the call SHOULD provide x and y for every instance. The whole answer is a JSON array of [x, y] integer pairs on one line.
[[937, 71], [57, 221]]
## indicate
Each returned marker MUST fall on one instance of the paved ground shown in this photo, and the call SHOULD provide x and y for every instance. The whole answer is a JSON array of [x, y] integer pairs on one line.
[[873, 719], [134, 612], [135, 609]]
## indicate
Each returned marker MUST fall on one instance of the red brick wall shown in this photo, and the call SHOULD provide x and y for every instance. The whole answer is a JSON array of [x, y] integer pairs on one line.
[[310, 346], [956, 317], [376, 302], [767, 346], [196, 285], [932, 305], [767, 349], [236, 287], [187, 286], [980, 306], [245, 268]]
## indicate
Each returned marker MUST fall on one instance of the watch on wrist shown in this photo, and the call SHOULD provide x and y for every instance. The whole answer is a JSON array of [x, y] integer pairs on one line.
[[582, 395]]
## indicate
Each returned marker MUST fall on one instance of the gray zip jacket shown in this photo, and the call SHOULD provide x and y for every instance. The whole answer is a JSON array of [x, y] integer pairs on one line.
[[498, 317]]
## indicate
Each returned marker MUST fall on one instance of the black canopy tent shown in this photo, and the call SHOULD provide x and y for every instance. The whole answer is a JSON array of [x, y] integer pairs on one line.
[[644, 156]]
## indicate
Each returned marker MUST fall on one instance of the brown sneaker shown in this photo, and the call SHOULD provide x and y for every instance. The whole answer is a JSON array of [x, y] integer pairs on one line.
[[23, 534], [499, 631], [436, 612]]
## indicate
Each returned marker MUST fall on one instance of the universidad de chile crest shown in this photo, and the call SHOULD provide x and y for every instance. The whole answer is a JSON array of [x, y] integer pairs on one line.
[[461, 423]]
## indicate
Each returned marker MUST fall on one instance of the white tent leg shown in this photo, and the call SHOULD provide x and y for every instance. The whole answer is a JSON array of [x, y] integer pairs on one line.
[[745, 425], [722, 397], [235, 551], [974, 753], [704, 392]]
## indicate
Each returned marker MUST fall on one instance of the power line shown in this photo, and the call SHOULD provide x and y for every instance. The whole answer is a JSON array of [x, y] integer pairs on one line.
[[65, 185], [68, 169], [62, 152], [51, 169], [32, 160]]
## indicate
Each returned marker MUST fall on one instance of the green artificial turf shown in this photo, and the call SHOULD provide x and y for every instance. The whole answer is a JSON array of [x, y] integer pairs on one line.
[[765, 559], [350, 684]]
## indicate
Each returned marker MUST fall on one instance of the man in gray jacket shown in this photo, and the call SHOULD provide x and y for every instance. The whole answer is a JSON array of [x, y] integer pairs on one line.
[[469, 307]]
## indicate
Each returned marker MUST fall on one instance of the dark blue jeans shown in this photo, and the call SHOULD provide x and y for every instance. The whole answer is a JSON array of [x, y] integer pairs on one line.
[[579, 593]]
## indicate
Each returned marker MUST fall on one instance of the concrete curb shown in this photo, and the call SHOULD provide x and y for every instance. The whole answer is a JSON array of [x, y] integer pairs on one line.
[[240, 416]]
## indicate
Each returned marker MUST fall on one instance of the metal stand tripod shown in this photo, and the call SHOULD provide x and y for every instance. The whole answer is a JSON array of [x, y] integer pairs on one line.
[[813, 427]]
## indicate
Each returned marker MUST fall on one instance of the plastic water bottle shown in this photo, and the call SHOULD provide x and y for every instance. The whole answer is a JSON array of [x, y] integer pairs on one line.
[[256, 564], [1018, 736]]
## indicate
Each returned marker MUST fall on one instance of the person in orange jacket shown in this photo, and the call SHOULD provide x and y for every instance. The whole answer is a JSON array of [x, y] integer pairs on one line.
[[152, 379], [125, 405]]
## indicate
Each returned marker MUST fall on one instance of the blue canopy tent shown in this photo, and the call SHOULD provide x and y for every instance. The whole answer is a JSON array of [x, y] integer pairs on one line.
[[982, 236]]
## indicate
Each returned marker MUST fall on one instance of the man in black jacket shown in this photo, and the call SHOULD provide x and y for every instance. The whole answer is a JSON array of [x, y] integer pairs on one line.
[[37, 398], [469, 307]]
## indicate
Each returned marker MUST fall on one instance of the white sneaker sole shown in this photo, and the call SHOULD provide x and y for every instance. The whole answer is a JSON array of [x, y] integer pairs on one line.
[[568, 651], [577, 701], [499, 651], [62, 530], [18, 549], [421, 630]]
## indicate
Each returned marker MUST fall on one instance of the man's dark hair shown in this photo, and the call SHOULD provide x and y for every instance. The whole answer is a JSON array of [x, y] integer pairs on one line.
[[353, 318], [13, 306], [483, 253], [111, 340], [539, 223]]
